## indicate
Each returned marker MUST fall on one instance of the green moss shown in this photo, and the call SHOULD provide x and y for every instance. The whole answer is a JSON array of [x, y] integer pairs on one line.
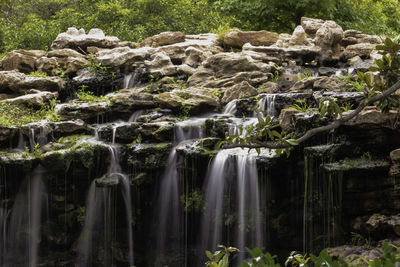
[[14, 114], [69, 141]]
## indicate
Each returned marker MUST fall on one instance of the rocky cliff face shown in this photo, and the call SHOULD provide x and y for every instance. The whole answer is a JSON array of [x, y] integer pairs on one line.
[[140, 100]]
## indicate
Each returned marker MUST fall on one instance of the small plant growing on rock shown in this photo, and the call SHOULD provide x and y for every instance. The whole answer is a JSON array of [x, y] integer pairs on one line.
[[94, 66], [89, 97], [301, 105], [37, 74]]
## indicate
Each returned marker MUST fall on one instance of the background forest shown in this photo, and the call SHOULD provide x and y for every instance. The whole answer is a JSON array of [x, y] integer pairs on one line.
[[33, 24]]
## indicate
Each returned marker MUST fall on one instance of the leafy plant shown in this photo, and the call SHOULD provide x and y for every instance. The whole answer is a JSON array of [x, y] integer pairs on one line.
[[297, 259], [328, 105], [36, 150], [346, 107], [259, 259], [94, 66], [25, 154], [301, 105], [275, 76], [359, 240], [390, 257], [220, 258]]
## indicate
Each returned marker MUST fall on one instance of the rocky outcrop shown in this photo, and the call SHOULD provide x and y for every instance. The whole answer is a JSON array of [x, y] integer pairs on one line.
[[21, 60], [13, 82], [64, 60], [34, 98], [164, 38], [190, 101], [236, 38], [79, 40]]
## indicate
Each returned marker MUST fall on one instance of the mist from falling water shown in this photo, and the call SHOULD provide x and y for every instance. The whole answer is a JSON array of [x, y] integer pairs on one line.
[[20, 227]]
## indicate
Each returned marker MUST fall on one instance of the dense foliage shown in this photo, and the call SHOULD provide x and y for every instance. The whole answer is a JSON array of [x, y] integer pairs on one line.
[[33, 24]]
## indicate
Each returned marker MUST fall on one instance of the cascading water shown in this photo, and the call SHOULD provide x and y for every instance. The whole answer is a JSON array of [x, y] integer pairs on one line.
[[133, 79], [168, 211], [101, 215], [222, 191], [20, 227]]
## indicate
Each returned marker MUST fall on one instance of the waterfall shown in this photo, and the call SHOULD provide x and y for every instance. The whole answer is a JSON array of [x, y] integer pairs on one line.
[[101, 214], [20, 227], [230, 108], [136, 115], [133, 79], [21, 142], [168, 212], [222, 191]]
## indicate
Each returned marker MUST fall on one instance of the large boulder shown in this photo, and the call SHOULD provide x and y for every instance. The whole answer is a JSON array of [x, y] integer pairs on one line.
[[244, 89], [278, 54], [123, 56], [328, 37], [160, 65], [311, 26], [237, 38], [299, 37], [229, 69], [62, 60], [18, 83], [351, 37], [21, 60], [34, 98], [79, 40], [188, 101], [164, 38], [363, 50], [372, 116]]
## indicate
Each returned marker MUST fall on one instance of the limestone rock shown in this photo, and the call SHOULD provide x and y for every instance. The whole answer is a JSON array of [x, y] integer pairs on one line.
[[237, 38], [160, 65], [121, 56], [372, 116], [22, 60], [34, 98], [244, 89], [332, 83], [194, 100], [164, 38], [351, 37], [379, 223], [229, 69], [19, 83], [81, 110], [311, 26], [300, 54], [194, 56], [362, 50], [77, 40], [299, 37], [328, 37], [286, 118], [129, 100], [47, 65], [70, 127]]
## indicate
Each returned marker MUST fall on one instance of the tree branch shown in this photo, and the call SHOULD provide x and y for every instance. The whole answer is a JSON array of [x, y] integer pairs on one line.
[[333, 125]]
